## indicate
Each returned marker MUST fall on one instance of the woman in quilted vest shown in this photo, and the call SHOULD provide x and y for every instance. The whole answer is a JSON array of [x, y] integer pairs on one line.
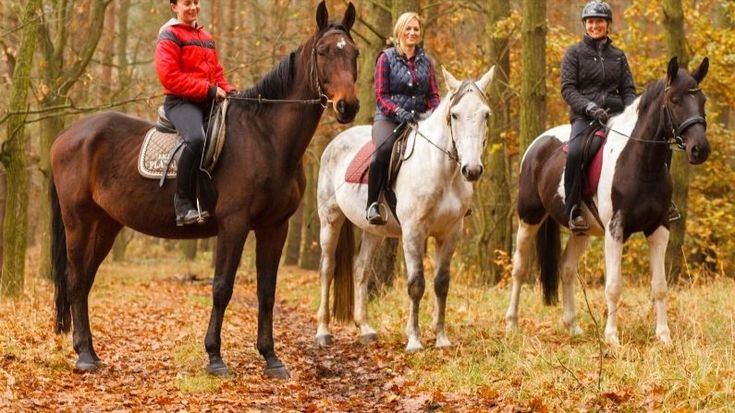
[[192, 78], [405, 91], [596, 82]]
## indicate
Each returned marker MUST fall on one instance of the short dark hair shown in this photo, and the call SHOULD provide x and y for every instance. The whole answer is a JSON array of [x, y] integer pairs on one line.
[[174, 1]]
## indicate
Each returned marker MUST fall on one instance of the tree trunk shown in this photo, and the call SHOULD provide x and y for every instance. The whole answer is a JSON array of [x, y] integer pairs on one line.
[[293, 242], [189, 248], [676, 46], [14, 145], [533, 75], [309, 250], [493, 216], [58, 80]]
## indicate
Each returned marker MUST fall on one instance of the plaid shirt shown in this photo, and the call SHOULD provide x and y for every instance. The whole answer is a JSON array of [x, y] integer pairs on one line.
[[383, 98]]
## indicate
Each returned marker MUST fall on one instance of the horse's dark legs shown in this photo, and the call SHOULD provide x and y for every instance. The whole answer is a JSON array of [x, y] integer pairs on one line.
[[229, 250], [87, 245], [443, 258], [268, 249]]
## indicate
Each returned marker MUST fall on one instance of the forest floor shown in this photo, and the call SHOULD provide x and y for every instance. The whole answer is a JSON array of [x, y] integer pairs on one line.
[[149, 318]]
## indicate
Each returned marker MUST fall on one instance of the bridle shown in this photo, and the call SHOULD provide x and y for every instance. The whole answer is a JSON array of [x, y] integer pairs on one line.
[[677, 130], [323, 99], [465, 87]]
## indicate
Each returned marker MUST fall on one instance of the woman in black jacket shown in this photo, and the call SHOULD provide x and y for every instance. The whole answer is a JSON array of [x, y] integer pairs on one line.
[[596, 82]]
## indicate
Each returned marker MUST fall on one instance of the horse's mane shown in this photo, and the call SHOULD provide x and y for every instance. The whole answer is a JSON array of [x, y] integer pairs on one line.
[[278, 82], [651, 95]]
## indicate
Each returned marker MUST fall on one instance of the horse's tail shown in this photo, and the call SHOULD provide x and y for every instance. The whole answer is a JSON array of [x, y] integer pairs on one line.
[[58, 256], [548, 247], [344, 298]]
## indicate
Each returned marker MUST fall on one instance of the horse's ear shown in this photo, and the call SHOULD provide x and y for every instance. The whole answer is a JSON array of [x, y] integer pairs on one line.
[[701, 71], [322, 15], [673, 70], [486, 79], [349, 19], [452, 83]]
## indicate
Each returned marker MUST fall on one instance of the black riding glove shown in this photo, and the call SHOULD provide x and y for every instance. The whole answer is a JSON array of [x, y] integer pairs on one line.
[[405, 116], [599, 114]]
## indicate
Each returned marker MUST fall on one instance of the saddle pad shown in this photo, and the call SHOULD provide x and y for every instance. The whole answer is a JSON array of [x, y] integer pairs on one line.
[[154, 153], [357, 169], [593, 171]]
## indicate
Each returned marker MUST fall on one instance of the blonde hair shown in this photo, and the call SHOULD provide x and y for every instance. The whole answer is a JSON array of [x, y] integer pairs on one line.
[[400, 26]]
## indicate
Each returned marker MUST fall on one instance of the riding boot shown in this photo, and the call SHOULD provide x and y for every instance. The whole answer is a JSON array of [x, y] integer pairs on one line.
[[674, 214], [186, 210], [376, 177]]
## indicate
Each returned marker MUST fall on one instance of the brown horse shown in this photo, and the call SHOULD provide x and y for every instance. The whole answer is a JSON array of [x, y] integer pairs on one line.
[[96, 188], [633, 195]]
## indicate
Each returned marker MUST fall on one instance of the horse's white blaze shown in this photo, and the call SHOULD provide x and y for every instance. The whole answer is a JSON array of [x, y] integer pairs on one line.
[[432, 195]]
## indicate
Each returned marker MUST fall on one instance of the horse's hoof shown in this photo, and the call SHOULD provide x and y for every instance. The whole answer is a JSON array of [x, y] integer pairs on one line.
[[414, 345], [87, 366], [218, 368], [323, 341], [442, 342], [575, 331], [277, 371], [368, 338]]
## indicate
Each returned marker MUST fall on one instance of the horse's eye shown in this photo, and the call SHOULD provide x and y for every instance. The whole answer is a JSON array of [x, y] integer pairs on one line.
[[321, 51], [675, 99], [454, 116], [487, 115]]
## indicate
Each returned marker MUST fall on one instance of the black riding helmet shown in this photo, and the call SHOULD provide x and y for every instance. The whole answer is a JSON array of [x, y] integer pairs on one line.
[[597, 8]]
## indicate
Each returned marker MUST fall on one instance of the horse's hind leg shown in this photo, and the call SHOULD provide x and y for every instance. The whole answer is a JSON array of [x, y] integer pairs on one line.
[[367, 247], [88, 243], [328, 238], [443, 258], [521, 258], [569, 267], [657, 243], [414, 242]]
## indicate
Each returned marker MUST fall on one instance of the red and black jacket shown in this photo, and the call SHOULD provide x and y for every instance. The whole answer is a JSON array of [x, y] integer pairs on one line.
[[187, 63]]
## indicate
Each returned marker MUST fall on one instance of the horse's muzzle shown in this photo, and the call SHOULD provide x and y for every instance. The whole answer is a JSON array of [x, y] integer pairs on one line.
[[472, 173], [698, 154], [346, 110]]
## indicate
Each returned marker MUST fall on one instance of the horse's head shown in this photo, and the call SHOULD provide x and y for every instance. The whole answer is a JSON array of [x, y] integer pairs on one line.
[[684, 109], [335, 62], [467, 118]]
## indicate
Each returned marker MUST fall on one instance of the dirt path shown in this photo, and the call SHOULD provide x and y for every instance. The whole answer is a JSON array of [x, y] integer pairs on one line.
[[149, 331]]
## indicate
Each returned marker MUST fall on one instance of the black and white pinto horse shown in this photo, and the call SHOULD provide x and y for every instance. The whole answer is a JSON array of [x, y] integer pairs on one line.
[[632, 195]]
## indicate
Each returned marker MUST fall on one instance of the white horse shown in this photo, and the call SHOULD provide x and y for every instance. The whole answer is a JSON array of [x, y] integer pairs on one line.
[[632, 195], [433, 192]]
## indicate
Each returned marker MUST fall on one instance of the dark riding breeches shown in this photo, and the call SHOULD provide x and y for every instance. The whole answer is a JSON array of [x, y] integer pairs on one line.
[[188, 118], [573, 169], [383, 139]]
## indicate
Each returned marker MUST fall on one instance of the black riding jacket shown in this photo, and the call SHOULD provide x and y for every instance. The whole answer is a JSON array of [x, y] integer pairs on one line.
[[595, 73]]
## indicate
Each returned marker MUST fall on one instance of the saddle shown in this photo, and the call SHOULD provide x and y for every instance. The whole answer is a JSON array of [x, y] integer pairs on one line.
[[357, 170], [160, 151], [592, 144]]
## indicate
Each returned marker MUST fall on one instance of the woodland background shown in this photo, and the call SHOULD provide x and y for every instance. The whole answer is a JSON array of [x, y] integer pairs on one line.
[[61, 60]]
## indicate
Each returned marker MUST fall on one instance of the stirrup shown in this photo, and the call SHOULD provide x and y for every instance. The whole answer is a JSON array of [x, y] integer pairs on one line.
[[375, 213], [577, 224], [673, 214], [190, 217]]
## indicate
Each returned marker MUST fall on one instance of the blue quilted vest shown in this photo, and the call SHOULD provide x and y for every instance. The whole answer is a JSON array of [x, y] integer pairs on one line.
[[404, 91]]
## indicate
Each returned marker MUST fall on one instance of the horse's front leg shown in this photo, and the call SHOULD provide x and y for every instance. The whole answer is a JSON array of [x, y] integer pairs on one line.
[[443, 258], [230, 242], [414, 242], [328, 238], [569, 267], [367, 247], [521, 258], [613, 283], [657, 243], [268, 250]]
